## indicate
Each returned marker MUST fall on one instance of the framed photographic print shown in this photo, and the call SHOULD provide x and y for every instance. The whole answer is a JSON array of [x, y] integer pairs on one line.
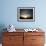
[[26, 14]]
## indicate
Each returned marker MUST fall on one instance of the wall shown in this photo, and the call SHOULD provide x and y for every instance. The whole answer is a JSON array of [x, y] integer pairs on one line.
[[9, 13]]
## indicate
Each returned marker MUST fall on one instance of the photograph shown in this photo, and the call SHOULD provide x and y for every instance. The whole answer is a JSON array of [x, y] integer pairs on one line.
[[26, 14]]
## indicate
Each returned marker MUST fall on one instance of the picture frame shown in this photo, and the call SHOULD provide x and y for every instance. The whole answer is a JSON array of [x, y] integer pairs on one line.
[[26, 14]]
